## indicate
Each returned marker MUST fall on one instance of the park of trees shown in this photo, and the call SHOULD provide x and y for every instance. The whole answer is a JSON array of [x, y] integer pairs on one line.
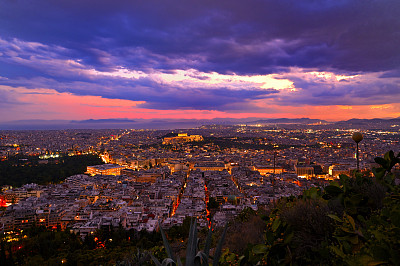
[[19, 170]]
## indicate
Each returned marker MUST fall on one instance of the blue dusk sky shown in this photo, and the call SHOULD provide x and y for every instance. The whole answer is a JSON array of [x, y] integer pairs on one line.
[[76, 60]]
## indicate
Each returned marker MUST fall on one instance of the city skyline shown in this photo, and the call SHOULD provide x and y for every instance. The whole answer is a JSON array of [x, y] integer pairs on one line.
[[67, 60]]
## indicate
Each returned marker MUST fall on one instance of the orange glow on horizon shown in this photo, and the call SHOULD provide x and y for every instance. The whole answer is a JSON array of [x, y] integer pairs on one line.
[[52, 105]]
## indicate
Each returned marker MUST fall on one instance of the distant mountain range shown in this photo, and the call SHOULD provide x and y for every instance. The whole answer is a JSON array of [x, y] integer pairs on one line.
[[289, 121], [189, 123], [100, 121], [375, 121]]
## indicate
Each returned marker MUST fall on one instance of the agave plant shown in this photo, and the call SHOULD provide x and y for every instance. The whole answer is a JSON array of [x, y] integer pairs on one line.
[[139, 258], [193, 256]]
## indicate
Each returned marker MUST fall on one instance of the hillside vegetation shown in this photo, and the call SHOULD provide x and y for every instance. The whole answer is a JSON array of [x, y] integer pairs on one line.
[[353, 221]]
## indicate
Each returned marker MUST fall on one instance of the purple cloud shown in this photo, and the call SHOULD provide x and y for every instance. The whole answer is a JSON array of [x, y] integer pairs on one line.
[[137, 50]]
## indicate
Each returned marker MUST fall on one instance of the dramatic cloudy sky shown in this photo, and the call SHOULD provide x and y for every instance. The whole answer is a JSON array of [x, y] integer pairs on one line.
[[81, 59]]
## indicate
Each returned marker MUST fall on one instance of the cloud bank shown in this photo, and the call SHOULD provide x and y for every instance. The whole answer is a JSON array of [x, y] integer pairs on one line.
[[225, 57]]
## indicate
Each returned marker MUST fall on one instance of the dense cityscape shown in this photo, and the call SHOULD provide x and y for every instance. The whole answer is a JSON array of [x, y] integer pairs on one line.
[[199, 133], [141, 180], [152, 176]]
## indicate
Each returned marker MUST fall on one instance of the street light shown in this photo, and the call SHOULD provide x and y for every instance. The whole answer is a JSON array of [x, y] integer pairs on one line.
[[357, 137]]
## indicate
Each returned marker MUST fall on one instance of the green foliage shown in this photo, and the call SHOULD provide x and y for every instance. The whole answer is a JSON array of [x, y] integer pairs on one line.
[[180, 232], [374, 242], [51, 247], [245, 214], [218, 250], [352, 221], [16, 173], [312, 193], [245, 230], [384, 173], [193, 256], [229, 258]]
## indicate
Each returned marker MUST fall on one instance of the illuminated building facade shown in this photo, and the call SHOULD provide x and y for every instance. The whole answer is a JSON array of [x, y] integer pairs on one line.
[[304, 171], [267, 169], [105, 169], [339, 169], [181, 138]]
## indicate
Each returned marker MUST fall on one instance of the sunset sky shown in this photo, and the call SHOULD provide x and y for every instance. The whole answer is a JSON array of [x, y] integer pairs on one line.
[[159, 59]]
